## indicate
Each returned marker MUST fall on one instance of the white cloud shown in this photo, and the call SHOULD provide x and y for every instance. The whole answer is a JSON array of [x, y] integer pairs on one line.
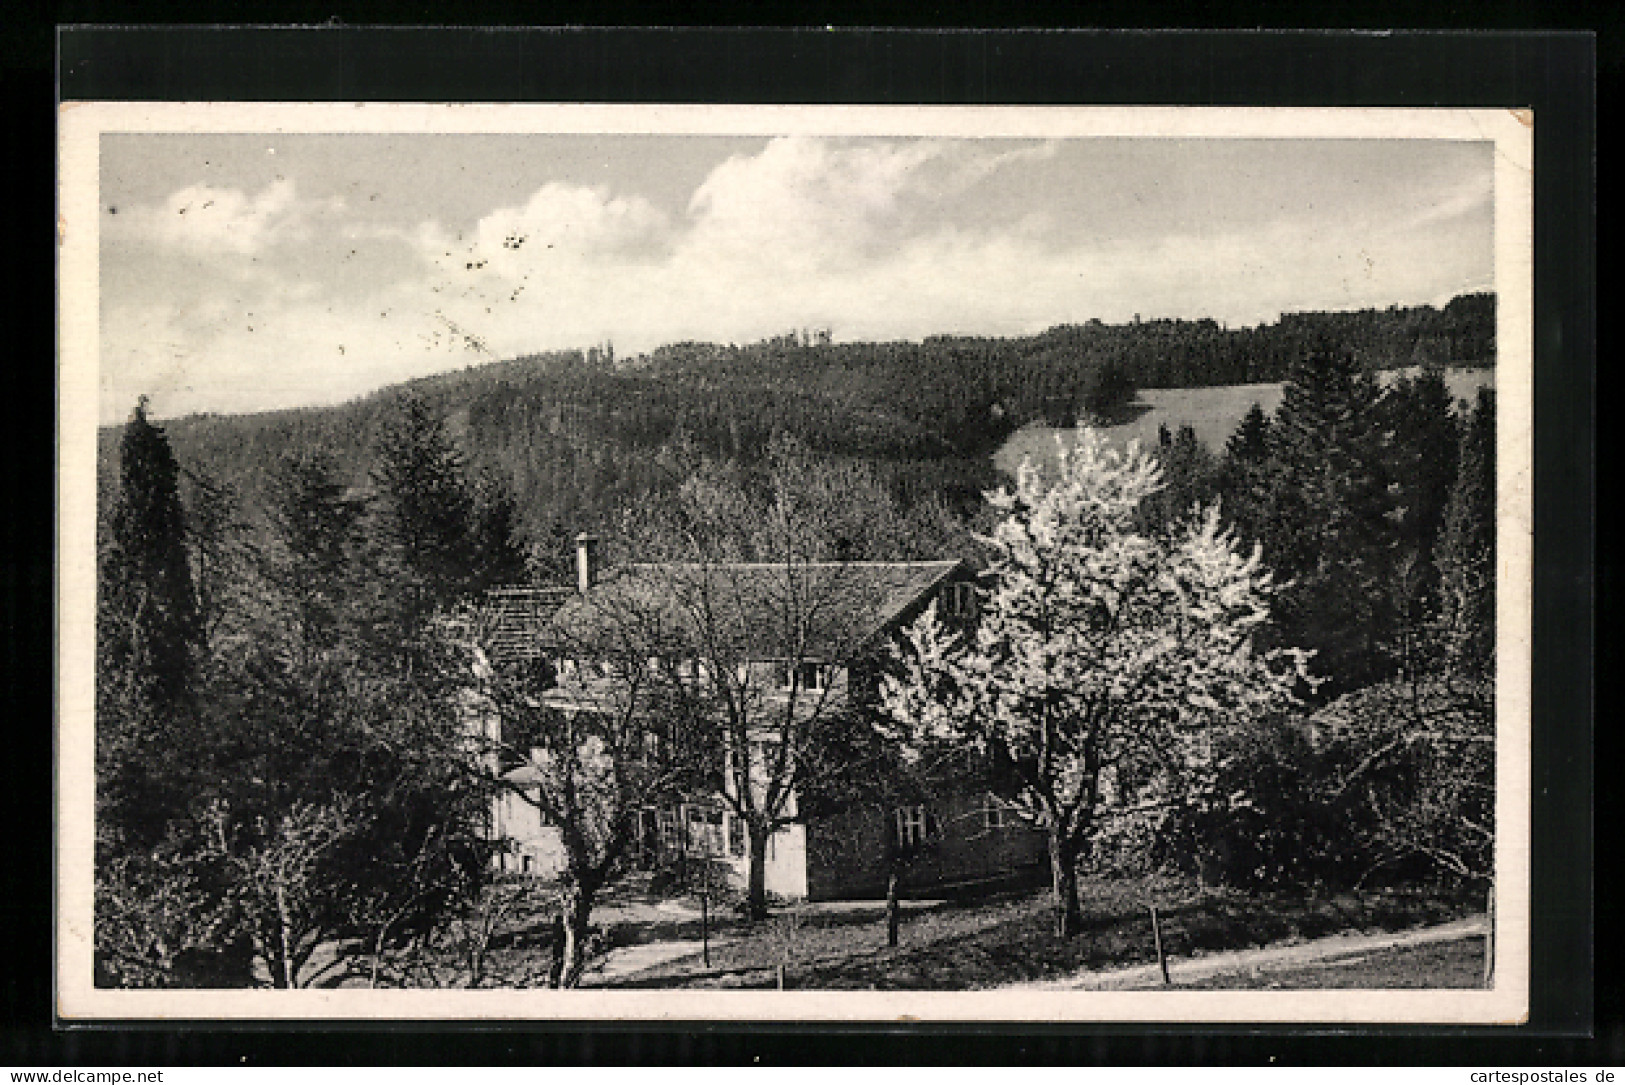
[[1473, 194], [872, 239], [206, 220], [804, 203], [559, 224]]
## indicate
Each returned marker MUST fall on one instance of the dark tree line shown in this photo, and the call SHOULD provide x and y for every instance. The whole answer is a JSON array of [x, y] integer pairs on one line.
[[575, 438], [284, 765]]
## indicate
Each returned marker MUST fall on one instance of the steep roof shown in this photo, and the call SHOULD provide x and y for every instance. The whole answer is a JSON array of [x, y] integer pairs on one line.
[[817, 610], [514, 622]]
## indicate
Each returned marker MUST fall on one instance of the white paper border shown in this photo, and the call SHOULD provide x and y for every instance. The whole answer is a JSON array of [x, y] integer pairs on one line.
[[81, 125]]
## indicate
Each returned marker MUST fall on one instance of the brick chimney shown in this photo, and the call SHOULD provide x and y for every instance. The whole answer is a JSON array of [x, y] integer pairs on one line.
[[586, 562]]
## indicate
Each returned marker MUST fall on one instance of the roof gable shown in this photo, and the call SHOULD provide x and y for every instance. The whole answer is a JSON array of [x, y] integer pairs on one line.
[[819, 610], [515, 623]]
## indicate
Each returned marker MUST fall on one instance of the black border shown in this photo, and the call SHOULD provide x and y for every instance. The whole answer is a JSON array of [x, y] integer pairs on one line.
[[1554, 73]]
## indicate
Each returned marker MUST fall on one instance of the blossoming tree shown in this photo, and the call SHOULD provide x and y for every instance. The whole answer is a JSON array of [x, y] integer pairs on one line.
[[1105, 661]]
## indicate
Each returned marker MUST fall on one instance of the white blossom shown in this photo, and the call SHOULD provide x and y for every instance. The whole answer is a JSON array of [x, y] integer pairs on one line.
[[1100, 649]]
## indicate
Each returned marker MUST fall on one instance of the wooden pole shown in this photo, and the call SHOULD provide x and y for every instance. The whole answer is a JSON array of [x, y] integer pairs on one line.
[[892, 916], [705, 916], [1156, 934]]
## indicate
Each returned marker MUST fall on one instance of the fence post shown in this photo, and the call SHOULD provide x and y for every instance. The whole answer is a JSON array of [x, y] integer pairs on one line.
[[705, 922], [1156, 934]]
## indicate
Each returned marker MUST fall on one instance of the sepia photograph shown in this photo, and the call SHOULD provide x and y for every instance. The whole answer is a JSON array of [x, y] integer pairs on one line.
[[794, 563]]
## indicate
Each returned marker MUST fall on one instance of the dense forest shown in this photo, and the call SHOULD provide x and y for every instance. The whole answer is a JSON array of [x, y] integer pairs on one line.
[[580, 437]]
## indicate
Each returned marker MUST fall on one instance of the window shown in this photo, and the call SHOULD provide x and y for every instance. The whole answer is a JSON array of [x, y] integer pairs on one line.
[[736, 836], [671, 837], [910, 826], [764, 753], [959, 600], [705, 835], [805, 676], [994, 812]]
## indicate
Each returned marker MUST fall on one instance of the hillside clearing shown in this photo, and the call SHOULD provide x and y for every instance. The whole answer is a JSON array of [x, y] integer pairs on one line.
[[1213, 413]]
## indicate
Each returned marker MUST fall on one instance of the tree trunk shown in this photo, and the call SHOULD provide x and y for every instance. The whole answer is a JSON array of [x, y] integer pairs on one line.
[[377, 954], [756, 895], [269, 949], [577, 910], [555, 971], [892, 918], [1063, 865], [284, 948]]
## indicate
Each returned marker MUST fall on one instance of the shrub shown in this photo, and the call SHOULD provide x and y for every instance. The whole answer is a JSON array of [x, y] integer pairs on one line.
[[1269, 824], [169, 919]]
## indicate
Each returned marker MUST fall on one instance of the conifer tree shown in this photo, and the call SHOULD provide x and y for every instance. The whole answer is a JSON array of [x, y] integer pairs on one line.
[[148, 638], [145, 572], [498, 536], [421, 525], [219, 540], [1243, 475], [1330, 527], [316, 526], [1422, 452], [1466, 551], [1189, 480]]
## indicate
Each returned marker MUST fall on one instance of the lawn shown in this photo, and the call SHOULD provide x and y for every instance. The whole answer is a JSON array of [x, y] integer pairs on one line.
[[970, 945], [1441, 964]]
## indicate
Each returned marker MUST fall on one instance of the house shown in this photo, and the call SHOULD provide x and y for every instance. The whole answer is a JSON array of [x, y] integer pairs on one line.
[[771, 647]]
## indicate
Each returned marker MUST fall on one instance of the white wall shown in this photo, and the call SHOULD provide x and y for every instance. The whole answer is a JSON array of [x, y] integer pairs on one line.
[[520, 823]]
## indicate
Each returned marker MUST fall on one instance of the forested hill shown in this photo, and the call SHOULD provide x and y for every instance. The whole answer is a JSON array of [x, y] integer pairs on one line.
[[578, 437]]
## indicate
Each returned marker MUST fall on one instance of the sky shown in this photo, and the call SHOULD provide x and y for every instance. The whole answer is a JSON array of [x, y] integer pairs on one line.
[[253, 272]]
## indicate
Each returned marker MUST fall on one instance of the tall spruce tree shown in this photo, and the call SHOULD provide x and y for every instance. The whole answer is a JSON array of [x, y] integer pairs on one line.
[[215, 535], [316, 526], [421, 525], [1466, 550], [1331, 520], [1422, 453], [498, 535], [1244, 480], [149, 635]]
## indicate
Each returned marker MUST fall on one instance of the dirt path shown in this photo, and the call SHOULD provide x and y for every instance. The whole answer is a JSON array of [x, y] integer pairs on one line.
[[1320, 950], [629, 960]]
